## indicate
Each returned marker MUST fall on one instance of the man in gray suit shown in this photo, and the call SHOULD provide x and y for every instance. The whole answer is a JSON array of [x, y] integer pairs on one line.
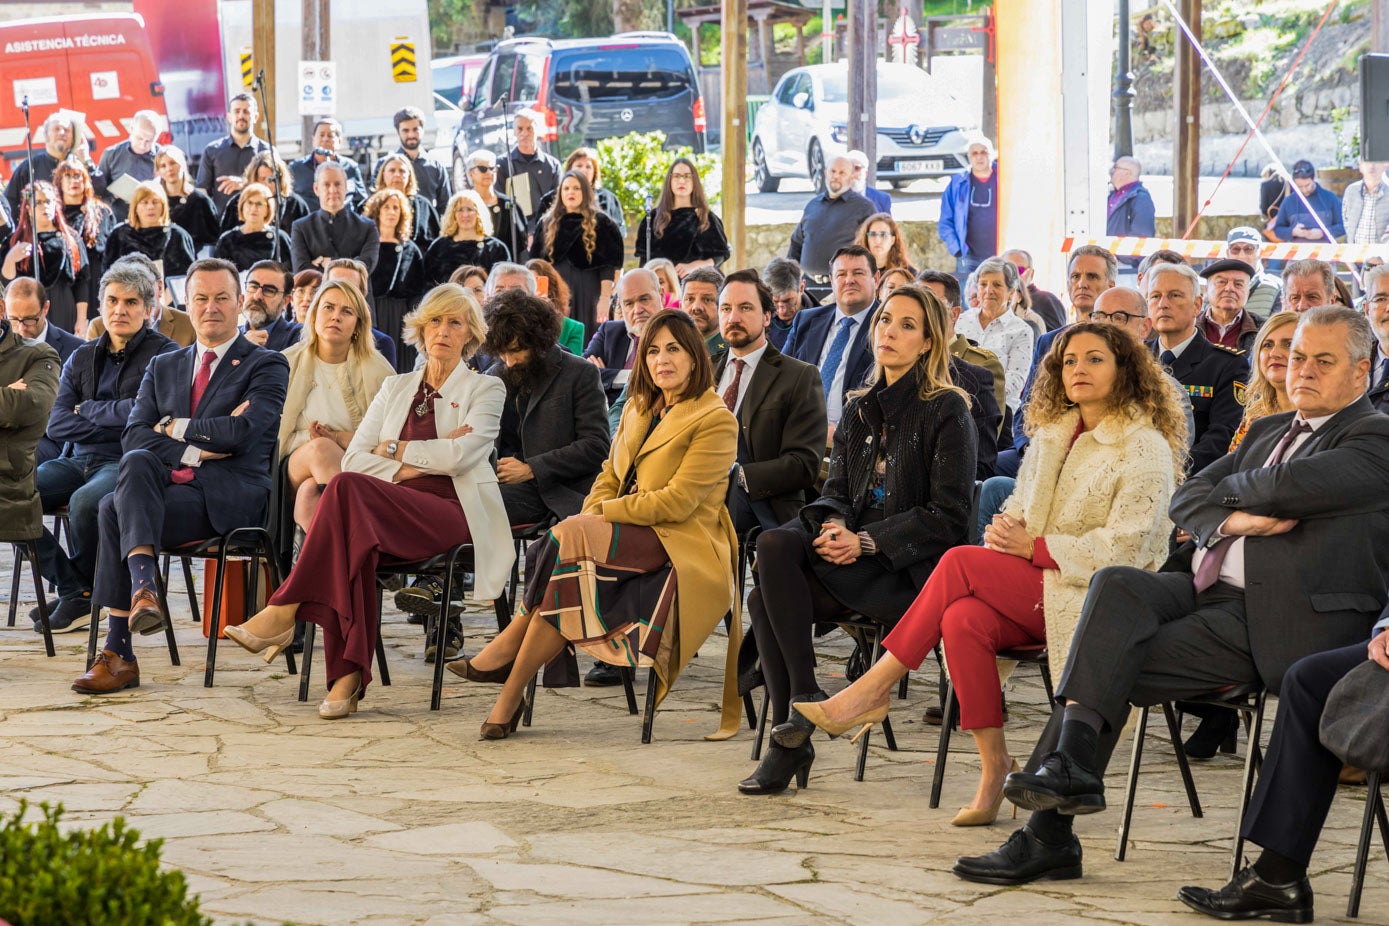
[[1289, 557], [780, 406]]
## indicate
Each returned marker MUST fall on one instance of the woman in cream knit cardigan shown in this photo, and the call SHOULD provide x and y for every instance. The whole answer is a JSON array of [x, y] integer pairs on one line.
[[334, 373], [1108, 443]]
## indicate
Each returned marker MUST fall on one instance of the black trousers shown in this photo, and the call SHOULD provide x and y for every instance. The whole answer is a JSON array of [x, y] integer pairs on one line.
[[1298, 779], [524, 504], [1147, 637], [146, 508]]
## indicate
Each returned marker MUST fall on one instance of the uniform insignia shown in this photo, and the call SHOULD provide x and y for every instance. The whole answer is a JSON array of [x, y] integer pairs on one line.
[[1201, 392], [1229, 350], [1241, 393]]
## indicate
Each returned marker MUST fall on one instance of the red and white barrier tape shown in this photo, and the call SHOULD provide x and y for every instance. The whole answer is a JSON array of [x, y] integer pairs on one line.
[[1195, 249]]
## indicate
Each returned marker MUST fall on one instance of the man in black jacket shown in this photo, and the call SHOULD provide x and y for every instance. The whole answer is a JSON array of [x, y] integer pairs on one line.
[[95, 395], [1377, 309], [333, 231]]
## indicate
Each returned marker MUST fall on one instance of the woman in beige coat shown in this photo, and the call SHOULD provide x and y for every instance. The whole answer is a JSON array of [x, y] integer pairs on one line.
[[644, 573], [1108, 443], [334, 373]]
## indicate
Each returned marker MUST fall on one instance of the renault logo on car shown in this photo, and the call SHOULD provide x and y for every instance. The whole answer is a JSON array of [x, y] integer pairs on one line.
[[916, 135]]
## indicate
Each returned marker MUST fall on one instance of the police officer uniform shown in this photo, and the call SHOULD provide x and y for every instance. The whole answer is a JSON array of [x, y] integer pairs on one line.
[[1215, 378]]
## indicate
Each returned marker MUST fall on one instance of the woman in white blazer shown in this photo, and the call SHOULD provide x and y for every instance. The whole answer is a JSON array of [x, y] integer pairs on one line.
[[1108, 445], [417, 479]]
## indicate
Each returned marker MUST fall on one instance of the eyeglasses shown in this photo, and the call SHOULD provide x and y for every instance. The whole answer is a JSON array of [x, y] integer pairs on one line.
[[1118, 318], [682, 175], [268, 289], [483, 168], [880, 234], [30, 321]]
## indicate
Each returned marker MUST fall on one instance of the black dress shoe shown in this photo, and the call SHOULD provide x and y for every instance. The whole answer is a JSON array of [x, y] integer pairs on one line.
[[1216, 732], [1059, 784], [778, 766], [797, 729], [603, 675], [1250, 897], [1022, 859]]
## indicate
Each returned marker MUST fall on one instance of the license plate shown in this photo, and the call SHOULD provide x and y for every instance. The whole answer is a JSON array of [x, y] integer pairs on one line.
[[920, 167]]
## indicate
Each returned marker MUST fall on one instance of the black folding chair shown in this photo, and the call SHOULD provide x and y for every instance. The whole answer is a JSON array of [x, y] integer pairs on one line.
[[29, 550]]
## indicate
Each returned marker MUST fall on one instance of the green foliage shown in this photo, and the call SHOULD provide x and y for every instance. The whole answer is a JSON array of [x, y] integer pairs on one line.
[[444, 17], [87, 877], [570, 18], [636, 164], [1347, 136]]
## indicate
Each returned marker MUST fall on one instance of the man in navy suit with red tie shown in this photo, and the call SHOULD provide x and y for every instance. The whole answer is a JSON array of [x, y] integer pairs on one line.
[[197, 463]]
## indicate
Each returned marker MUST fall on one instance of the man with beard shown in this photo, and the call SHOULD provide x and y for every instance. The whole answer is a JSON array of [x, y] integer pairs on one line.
[[779, 405], [263, 303], [63, 137], [830, 222], [333, 231], [431, 178], [327, 140], [221, 172], [699, 299], [613, 349]]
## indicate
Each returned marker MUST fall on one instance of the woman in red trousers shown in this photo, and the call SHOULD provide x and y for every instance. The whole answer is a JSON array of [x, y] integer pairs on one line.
[[1108, 441]]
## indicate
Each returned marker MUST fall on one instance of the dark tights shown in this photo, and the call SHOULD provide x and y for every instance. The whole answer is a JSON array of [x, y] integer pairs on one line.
[[785, 606]]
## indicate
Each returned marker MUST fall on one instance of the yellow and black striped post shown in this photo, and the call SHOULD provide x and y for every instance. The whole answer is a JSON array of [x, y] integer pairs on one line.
[[403, 60], [247, 68]]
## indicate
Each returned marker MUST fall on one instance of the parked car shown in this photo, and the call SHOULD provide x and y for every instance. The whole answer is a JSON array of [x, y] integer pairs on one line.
[[585, 90], [454, 78], [921, 128]]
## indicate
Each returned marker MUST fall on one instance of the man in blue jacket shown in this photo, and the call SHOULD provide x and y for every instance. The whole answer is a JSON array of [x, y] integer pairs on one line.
[[1295, 222], [1130, 206], [95, 395], [969, 210]]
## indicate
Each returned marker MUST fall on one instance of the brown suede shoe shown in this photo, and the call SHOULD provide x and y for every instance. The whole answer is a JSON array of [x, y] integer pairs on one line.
[[146, 616], [109, 673]]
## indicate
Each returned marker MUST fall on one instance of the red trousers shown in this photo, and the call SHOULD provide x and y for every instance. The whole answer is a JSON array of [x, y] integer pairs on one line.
[[979, 602]]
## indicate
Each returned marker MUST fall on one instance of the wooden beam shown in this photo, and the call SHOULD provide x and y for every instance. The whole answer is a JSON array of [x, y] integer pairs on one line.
[[863, 84], [1186, 141], [734, 75], [263, 56]]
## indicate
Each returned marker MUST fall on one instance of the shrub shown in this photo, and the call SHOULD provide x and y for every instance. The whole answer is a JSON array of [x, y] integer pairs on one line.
[[97, 877], [636, 164]]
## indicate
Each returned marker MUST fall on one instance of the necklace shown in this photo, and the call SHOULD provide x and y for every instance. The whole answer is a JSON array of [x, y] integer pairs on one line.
[[427, 395]]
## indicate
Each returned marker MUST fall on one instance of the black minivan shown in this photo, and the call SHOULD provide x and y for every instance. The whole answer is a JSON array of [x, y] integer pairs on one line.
[[584, 90]]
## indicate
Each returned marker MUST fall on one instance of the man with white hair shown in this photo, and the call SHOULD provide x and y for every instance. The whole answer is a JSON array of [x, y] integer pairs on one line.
[[880, 200], [333, 231], [133, 158], [526, 173], [969, 210], [64, 136], [828, 223], [613, 349], [1131, 211]]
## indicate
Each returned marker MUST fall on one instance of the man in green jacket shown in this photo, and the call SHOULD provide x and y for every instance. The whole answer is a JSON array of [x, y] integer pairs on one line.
[[28, 385]]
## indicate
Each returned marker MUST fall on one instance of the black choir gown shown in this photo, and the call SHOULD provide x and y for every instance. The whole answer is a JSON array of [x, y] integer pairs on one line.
[[506, 218], [245, 249], [583, 272], [397, 284], [445, 255], [77, 221], [196, 215], [682, 242], [67, 283], [168, 243], [292, 209]]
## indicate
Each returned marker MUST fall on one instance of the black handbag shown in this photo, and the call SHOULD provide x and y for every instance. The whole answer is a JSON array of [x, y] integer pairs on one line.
[[1355, 722]]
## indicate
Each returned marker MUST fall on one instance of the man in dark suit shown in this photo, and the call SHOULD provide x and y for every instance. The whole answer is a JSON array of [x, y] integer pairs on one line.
[[613, 348], [95, 395], [1214, 376], [198, 462], [26, 308], [780, 406], [1377, 309], [1289, 557], [334, 230], [1297, 783], [268, 288], [835, 338]]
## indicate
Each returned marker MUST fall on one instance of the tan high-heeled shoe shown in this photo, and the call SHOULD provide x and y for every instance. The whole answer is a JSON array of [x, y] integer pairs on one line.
[[814, 711], [336, 710], [500, 731], [268, 647], [969, 816]]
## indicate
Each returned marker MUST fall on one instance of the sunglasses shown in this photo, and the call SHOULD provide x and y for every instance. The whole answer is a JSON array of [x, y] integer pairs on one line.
[[483, 168]]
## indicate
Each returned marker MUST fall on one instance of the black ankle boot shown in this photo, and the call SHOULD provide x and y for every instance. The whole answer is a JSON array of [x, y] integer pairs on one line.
[[796, 730], [778, 766], [1217, 731]]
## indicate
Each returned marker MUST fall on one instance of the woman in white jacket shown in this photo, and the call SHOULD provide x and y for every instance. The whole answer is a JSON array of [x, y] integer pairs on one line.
[[1108, 443], [408, 490]]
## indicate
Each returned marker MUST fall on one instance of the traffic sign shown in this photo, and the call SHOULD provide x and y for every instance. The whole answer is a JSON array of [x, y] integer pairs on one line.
[[318, 88]]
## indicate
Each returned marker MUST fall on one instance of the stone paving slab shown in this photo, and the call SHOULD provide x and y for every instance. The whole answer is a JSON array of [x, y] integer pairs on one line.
[[400, 815]]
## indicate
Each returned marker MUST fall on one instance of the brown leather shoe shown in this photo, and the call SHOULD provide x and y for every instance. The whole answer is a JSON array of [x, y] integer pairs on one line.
[[109, 673], [146, 616]]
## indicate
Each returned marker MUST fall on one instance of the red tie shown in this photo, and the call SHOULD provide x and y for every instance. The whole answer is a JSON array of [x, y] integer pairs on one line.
[[200, 381], [730, 395]]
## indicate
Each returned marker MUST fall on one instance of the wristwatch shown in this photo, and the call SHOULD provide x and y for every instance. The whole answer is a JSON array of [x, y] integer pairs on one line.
[[391, 448], [163, 426]]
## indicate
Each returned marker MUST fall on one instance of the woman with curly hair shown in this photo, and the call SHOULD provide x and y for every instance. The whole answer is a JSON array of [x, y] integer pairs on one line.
[[396, 173], [62, 259], [190, 208], [466, 238], [89, 218], [1268, 387], [681, 227], [587, 160], [397, 280], [880, 235], [585, 247], [571, 332], [262, 170], [1108, 448]]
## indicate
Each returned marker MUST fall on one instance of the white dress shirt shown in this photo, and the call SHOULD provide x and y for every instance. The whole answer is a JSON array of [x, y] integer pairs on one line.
[[834, 402], [750, 361], [1232, 567], [1180, 348], [192, 456], [1010, 339]]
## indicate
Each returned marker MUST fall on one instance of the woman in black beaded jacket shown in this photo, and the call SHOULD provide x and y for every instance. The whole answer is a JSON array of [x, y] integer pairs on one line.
[[897, 497]]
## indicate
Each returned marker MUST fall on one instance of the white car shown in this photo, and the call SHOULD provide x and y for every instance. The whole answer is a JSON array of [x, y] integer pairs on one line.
[[921, 128]]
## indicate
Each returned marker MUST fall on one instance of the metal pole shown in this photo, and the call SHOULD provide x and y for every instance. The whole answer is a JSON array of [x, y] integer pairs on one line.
[[1123, 89], [734, 74], [670, 20], [827, 33]]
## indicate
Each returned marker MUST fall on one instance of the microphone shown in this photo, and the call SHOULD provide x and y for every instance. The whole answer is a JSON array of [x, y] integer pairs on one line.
[[260, 79], [24, 105]]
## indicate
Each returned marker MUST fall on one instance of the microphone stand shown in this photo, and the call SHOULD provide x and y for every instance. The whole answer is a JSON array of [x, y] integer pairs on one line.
[[511, 176], [649, 219], [276, 195], [36, 256]]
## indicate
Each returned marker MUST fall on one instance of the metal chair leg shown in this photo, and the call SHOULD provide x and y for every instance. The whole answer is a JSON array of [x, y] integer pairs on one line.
[[530, 701], [1252, 760], [750, 711], [629, 689], [14, 581], [33, 555], [1374, 802], [305, 664], [188, 585], [1135, 760], [216, 626], [947, 721], [762, 725], [92, 630], [162, 589], [441, 625], [1174, 730], [649, 717]]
